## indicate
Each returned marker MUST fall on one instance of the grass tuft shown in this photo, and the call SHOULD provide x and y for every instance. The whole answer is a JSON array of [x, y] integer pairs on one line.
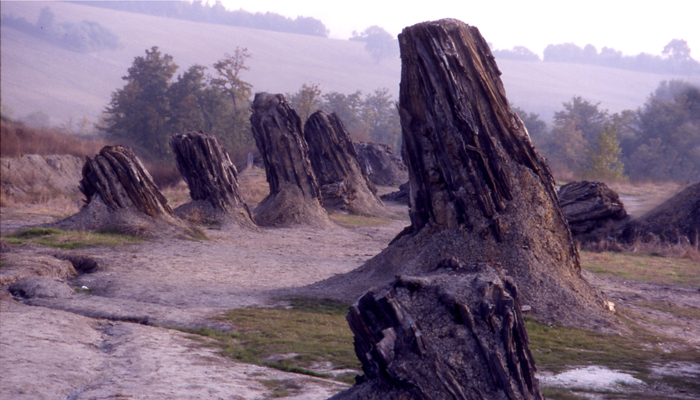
[[69, 240], [289, 339]]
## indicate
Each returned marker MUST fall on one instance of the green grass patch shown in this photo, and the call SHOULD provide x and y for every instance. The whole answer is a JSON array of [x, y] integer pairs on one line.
[[69, 240], [289, 339], [643, 267], [687, 312], [281, 388], [557, 349]]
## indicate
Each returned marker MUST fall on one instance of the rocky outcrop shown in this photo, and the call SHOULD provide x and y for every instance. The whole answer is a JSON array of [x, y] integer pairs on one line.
[[295, 197], [343, 182]]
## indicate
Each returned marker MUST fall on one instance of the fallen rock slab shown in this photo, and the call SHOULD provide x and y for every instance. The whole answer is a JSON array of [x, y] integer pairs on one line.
[[590, 206]]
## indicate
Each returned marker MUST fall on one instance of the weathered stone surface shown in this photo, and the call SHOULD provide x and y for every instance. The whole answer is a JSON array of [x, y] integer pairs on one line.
[[677, 220], [590, 206], [295, 197], [121, 196], [381, 164], [479, 192], [342, 180], [212, 178], [41, 287], [458, 334]]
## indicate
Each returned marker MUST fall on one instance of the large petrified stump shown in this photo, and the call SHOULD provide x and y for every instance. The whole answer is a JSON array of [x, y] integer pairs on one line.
[[121, 196], [458, 334], [590, 206], [381, 164], [295, 197], [212, 179], [343, 182], [479, 192]]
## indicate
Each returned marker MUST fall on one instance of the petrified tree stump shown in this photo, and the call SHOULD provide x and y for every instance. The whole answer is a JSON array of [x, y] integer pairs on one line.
[[590, 206], [295, 197], [212, 179], [121, 196], [479, 192], [455, 335], [381, 164], [343, 182]]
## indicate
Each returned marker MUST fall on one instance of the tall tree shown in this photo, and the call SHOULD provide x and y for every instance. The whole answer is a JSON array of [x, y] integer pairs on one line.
[[603, 157], [228, 77], [670, 127], [186, 96], [380, 114], [588, 118], [347, 108], [378, 43], [138, 113], [306, 101]]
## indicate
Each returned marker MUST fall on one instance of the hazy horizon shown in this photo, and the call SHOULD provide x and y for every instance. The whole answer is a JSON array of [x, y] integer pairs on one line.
[[625, 26]]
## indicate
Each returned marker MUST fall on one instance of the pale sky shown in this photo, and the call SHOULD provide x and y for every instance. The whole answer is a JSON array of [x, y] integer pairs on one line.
[[629, 26]]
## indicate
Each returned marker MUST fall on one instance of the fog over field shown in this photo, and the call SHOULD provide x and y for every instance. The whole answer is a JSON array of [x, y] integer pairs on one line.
[[38, 75]]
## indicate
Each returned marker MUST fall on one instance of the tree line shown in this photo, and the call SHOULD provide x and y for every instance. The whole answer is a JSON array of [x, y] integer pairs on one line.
[[660, 141], [216, 13], [82, 37], [154, 104], [674, 59]]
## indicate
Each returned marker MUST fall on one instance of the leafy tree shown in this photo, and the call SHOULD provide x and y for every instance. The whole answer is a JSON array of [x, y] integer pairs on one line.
[[138, 113], [588, 118], [348, 109], [228, 77], [306, 101], [232, 124], [564, 148], [186, 98], [518, 53], [668, 135], [379, 43], [603, 157], [380, 115]]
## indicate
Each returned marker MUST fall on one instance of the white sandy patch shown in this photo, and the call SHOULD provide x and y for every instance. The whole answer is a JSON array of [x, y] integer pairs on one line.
[[590, 378]]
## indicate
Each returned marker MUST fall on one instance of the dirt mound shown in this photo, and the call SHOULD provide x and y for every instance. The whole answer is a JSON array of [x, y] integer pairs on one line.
[[33, 177], [676, 220]]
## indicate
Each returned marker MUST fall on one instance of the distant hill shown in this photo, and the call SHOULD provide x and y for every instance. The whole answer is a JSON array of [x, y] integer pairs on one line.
[[37, 75]]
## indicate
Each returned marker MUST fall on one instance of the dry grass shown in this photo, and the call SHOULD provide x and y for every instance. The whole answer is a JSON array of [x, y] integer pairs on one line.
[[645, 266], [253, 185], [18, 139]]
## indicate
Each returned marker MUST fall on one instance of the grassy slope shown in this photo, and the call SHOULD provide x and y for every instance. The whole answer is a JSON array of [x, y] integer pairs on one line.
[[39, 76]]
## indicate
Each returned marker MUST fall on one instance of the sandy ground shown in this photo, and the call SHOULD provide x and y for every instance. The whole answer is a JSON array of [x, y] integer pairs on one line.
[[80, 346], [183, 283]]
